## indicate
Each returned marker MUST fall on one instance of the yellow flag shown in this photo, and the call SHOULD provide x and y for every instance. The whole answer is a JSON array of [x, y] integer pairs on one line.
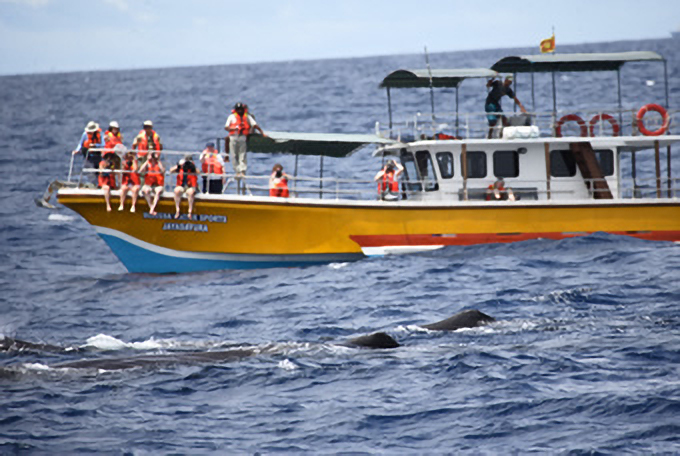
[[548, 45]]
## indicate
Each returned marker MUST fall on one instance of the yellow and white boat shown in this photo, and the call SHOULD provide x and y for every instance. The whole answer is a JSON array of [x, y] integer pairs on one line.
[[565, 186]]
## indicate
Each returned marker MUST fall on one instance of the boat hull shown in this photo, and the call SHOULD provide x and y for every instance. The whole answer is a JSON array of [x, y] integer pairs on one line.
[[233, 232]]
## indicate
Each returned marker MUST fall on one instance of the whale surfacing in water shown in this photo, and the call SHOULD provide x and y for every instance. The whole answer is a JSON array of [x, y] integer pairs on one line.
[[375, 340], [466, 319]]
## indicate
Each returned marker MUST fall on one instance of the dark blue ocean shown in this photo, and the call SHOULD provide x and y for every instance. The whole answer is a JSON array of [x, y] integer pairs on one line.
[[584, 357]]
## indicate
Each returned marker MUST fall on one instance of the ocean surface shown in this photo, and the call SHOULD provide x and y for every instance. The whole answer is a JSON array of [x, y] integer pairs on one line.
[[584, 357]]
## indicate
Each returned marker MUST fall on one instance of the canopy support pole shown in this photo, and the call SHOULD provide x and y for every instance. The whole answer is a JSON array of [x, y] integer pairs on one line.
[[554, 94], [546, 147], [618, 81], [463, 156], [633, 174], [457, 135], [321, 179], [665, 78], [389, 109], [668, 171], [533, 94], [514, 83], [657, 163]]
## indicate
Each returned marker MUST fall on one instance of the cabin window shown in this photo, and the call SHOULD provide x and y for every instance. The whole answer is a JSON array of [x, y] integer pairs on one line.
[[445, 162], [476, 164], [605, 158], [562, 163], [506, 163], [410, 180], [426, 169]]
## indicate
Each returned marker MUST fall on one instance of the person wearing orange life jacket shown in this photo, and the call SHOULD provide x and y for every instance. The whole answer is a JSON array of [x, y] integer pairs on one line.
[[388, 185], [129, 181], [278, 182], [154, 180], [91, 138], [112, 136], [240, 125], [498, 192], [107, 179], [187, 183], [212, 166], [147, 140]]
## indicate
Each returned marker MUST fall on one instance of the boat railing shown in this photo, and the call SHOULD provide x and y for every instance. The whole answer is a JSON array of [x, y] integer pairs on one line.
[[576, 123], [362, 189]]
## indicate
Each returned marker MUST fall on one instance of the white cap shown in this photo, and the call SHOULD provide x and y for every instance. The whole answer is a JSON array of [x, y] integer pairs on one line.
[[113, 124], [91, 127], [148, 123]]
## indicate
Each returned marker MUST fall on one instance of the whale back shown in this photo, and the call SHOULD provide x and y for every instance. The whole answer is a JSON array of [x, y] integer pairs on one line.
[[465, 319], [375, 340]]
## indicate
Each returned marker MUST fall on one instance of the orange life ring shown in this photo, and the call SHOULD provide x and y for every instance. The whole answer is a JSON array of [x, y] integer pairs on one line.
[[616, 129], [573, 118], [664, 116]]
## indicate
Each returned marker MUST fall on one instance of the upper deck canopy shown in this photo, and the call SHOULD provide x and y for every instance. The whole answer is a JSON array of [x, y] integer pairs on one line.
[[320, 144], [546, 63], [407, 79]]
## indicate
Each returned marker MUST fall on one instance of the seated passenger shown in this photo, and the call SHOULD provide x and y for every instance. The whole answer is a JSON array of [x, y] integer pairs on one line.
[[388, 186], [129, 181], [153, 181], [187, 182], [278, 182], [498, 192], [213, 168], [107, 178]]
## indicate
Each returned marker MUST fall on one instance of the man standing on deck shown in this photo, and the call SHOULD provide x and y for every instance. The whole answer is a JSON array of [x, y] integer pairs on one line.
[[493, 101], [91, 138], [239, 125]]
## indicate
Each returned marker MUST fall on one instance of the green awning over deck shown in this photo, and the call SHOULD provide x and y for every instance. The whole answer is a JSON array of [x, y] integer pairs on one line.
[[545, 63], [407, 79], [327, 144]]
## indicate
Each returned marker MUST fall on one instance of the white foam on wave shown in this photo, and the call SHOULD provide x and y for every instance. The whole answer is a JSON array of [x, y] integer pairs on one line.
[[36, 366], [105, 342], [288, 365], [337, 265], [60, 218]]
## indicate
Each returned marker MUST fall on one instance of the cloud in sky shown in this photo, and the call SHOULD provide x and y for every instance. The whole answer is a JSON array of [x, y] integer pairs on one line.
[[71, 35]]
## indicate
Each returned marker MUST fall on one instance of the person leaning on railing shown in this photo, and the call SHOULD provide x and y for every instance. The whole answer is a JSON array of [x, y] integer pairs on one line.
[[492, 105], [91, 138]]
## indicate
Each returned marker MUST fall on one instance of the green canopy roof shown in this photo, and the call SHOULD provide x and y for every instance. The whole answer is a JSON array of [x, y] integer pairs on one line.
[[407, 79], [572, 62], [327, 144]]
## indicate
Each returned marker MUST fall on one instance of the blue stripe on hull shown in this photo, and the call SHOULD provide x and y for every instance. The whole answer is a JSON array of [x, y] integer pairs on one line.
[[139, 259]]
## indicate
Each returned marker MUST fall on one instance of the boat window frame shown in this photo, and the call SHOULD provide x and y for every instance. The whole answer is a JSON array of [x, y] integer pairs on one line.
[[470, 155], [407, 157], [610, 161], [553, 162], [515, 153], [451, 160], [429, 185]]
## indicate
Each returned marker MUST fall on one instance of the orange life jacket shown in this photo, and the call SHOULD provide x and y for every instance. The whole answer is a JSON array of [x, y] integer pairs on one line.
[[388, 183], [94, 139], [280, 188], [111, 139], [147, 142], [188, 179], [106, 176], [490, 193], [129, 178], [154, 175], [241, 126], [211, 165]]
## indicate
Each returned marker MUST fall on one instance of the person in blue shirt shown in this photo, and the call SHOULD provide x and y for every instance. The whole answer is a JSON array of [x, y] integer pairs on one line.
[[492, 106], [92, 138]]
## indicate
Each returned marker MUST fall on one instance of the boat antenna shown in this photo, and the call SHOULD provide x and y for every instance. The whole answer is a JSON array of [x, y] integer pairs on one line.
[[429, 70]]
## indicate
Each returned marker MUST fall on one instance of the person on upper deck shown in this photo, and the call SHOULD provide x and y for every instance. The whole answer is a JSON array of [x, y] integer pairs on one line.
[[493, 101], [388, 185], [129, 180], [112, 136], [239, 125], [498, 192], [187, 183], [91, 138], [147, 140], [154, 181], [212, 166], [278, 182]]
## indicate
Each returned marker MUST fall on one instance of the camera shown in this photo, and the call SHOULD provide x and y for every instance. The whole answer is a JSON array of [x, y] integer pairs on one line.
[[279, 173]]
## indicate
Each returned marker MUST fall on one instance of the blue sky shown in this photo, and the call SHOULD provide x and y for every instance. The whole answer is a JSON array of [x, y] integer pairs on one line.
[[39, 36]]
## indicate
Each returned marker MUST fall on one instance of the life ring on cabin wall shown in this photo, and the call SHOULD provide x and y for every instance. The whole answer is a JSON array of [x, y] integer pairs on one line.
[[616, 129], [570, 118], [656, 108]]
